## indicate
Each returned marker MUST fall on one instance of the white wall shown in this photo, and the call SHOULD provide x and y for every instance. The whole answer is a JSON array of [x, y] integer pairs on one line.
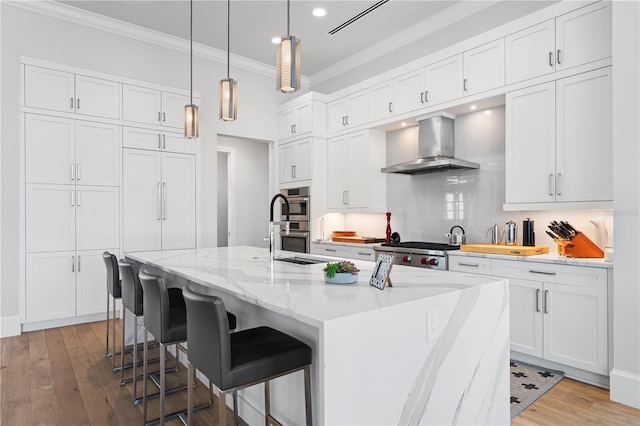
[[35, 35], [625, 377], [252, 197]]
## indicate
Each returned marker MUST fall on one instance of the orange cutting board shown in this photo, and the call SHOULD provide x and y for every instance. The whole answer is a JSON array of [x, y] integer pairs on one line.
[[505, 249], [358, 240]]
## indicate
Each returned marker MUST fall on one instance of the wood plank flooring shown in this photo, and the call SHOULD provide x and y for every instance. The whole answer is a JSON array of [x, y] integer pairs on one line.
[[61, 377]]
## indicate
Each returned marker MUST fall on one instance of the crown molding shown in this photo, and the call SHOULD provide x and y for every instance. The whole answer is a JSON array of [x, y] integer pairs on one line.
[[77, 16], [415, 32]]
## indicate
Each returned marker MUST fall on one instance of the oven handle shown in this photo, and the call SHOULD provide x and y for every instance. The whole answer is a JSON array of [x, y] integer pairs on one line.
[[295, 199], [297, 234]]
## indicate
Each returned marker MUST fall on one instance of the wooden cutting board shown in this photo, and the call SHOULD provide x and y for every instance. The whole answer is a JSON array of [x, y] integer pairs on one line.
[[358, 240], [504, 249]]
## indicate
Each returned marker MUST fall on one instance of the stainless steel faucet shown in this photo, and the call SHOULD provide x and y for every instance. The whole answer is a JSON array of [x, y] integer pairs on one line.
[[271, 223]]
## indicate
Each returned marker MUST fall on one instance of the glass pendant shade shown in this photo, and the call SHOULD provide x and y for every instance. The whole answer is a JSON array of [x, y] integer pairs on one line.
[[191, 122], [289, 64], [228, 99]]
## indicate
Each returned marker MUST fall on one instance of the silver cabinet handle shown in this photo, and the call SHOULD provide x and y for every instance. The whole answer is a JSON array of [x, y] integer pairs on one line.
[[465, 84], [426, 96], [159, 116], [73, 198], [331, 250], [537, 300], [159, 141], [421, 97], [347, 196], [73, 263], [78, 171], [550, 59], [347, 120], [78, 107], [73, 171], [533, 271], [472, 265], [546, 301], [390, 106], [364, 254], [71, 103], [164, 201], [295, 128], [343, 122], [164, 117], [295, 171], [344, 197], [159, 201], [559, 58], [558, 184], [551, 184], [164, 141], [78, 198], [79, 257]]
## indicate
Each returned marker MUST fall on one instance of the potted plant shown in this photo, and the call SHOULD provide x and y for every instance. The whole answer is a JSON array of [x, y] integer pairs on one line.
[[343, 272]]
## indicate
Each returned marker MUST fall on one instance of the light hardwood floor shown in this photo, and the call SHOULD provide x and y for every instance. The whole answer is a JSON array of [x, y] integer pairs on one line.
[[61, 377]]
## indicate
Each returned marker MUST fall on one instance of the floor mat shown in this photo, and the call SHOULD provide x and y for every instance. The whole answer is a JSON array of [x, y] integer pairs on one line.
[[528, 383]]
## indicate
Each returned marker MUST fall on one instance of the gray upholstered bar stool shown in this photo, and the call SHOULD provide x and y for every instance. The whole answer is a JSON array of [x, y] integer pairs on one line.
[[114, 291], [241, 359]]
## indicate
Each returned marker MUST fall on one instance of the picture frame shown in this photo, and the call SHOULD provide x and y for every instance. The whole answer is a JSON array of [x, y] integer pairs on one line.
[[381, 272]]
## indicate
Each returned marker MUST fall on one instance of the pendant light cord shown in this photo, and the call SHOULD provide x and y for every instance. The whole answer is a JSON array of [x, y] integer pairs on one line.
[[288, 11], [191, 51], [228, 33]]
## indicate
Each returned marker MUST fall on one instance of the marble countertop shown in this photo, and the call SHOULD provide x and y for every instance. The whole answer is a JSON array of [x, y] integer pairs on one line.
[[299, 291], [542, 258]]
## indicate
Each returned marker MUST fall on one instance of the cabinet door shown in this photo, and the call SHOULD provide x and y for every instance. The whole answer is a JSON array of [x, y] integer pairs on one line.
[[407, 92], [50, 149], [287, 120], [141, 105], [531, 52], [97, 97], [50, 217], [584, 137], [525, 300], [173, 109], [443, 81], [336, 115], [336, 173], [357, 109], [530, 144], [583, 35], [484, 67], [381, 101], [304, 118], [91, 278], [48, 89], [287, 156], [97, 154], [358, 170], [304, 164], [178, 201], [177, 142], [133, 137], [141, 188], [51, 286], [575, 327], [97, 217]]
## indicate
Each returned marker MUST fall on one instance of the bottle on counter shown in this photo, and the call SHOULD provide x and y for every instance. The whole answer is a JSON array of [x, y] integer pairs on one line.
[[528, 233]]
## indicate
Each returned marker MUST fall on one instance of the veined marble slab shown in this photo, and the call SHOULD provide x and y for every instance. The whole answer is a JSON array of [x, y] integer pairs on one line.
[[432, 349]]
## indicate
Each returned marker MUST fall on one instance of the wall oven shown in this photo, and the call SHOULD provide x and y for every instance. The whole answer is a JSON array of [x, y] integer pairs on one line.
[[299, 238]]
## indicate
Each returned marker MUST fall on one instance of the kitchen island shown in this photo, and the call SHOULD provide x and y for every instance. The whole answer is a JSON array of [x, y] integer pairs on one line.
[[432, 349]]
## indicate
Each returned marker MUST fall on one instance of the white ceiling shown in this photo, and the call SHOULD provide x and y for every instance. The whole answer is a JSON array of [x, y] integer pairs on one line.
[[254, 23]]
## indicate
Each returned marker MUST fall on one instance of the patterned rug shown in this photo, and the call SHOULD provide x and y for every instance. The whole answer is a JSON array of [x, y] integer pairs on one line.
[[528, 383]]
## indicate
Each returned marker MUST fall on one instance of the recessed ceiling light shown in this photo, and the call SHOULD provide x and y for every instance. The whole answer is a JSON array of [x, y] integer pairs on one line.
[[472, 107], [487, 112], [319, 12], [276, 40], [403, 124]]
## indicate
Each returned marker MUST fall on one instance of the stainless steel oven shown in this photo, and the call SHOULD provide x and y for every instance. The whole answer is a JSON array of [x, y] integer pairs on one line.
[[299, 238], [299, 207]]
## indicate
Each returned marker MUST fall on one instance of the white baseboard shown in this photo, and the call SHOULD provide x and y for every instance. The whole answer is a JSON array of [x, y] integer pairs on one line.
[[625, 387], [62, 322], [10, 326]]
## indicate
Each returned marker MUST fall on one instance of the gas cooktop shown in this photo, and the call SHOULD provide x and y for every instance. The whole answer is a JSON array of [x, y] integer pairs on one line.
[[422, 246]]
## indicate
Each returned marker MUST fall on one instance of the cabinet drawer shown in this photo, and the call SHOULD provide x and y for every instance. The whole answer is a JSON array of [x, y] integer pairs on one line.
[[344, 252], [476, 265], [545, 272]]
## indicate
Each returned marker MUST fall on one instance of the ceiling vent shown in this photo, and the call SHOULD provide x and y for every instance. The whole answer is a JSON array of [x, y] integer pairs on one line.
[[358, 16]]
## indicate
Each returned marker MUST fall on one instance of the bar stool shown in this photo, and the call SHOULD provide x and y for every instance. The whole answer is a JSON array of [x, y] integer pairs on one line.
[[114, 292], [168, 324], [241, 359]]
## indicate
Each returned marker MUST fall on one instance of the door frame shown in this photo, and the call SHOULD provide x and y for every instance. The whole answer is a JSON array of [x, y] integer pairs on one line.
[[231, 193]]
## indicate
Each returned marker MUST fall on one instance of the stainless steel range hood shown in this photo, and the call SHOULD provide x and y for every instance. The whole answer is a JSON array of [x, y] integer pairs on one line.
[[435, 148]]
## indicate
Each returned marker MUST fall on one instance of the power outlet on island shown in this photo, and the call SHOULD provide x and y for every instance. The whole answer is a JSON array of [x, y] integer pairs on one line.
[[433, 325]]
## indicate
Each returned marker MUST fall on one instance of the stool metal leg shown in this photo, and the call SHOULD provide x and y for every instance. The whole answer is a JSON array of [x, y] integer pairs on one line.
[[113, 337], [163, 385], [267, 402], [307, 393], [191, 381], [107, 342], [222, 408], [144, 377], [235, 408], [135, 359], [124, 316]]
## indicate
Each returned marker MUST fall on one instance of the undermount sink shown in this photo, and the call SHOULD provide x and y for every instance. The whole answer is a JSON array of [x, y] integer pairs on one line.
[[300, 260]]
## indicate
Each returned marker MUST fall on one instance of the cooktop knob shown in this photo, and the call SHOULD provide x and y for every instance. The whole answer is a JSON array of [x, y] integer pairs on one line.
[[433, 262], [423, 260], [406, 259]]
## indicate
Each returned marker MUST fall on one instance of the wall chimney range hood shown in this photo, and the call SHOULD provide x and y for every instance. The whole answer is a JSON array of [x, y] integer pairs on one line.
[[435, 148]]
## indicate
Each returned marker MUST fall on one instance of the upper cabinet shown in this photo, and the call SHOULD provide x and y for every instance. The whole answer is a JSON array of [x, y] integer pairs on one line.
[[154, 140], [381, 101], [408, 91], [296, 160], [151, 106], [570, 40], [484, 68], [444, 81], [74, 93], [347, 112], [301, 117]]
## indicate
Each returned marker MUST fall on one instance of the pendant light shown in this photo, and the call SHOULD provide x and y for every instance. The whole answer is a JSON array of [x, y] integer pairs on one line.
[[288, 61], [228, 86], [191, 114]]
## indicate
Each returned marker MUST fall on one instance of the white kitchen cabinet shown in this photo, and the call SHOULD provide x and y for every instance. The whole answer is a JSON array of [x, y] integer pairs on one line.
[[159, 200], [558, 145], [381, 101], [152, 106], [475, 265], [97, 211], [91, 278], [50, 286], [134, 137], [296, 120], [342, 251], [296, 160], [484, 68], [443, 81], [349, 111], [67, 92], [408, 92], [353, 171], [575, 38], [526, 316], [66, 151]]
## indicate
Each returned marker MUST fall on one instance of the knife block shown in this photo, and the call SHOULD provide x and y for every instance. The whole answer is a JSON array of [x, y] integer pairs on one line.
[[579, 246]]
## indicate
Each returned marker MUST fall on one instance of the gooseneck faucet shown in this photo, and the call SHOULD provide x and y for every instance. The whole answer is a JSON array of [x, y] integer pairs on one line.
[[271, 223]]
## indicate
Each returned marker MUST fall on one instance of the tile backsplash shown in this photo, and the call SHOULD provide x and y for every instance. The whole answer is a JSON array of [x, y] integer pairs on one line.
[[425, 207]]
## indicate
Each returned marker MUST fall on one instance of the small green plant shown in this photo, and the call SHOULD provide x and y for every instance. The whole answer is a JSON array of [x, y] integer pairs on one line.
[[340, 267]]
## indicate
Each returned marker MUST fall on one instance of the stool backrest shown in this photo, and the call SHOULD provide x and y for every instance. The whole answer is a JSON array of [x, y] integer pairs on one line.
[[113, 276], [155, 304], [208, 336], [131, 287]]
